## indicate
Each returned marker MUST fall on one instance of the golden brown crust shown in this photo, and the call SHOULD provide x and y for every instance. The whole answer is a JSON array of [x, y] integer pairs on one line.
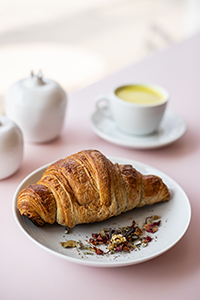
[[38, 204], [87, 187]]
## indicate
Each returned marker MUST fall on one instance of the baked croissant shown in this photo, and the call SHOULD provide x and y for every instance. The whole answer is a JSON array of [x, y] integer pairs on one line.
[[87, 187]]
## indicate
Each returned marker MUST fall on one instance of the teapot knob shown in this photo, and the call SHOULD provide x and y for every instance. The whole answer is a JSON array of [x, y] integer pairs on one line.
[[36, 79]]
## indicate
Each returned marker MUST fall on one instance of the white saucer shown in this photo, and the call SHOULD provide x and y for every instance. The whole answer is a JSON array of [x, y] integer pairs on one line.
[[171, 129]]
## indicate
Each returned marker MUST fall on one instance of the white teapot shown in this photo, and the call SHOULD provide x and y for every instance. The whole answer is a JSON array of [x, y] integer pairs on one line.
[[37, 105], [11, 147]]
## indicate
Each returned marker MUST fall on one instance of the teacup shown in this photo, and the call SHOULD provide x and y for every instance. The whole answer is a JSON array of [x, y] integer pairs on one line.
[[136, 108]]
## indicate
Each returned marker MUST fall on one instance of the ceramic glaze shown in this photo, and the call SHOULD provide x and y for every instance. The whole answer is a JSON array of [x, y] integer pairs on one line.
[[11, 147], [37, 105]]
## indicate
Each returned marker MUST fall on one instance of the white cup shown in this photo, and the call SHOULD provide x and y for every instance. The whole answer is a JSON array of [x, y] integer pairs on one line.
[[134, 118]]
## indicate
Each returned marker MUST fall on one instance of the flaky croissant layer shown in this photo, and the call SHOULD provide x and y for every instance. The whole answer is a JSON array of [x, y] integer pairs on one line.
[[87, 187]]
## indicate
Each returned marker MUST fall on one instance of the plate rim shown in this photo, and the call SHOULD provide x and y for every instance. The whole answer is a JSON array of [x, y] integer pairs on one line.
[[95, 263], [131, 145]]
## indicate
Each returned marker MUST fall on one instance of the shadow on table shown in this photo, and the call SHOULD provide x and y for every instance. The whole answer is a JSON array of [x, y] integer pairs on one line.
[[170, 268], [186, 145]]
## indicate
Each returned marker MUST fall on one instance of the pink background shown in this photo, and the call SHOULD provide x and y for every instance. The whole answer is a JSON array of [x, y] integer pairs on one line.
[[29, 272]]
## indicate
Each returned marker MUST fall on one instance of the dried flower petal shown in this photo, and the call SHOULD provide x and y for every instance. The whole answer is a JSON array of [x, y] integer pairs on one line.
[[68, 244], [90, 249], [88, 253], [137, 243], [133, 224], [98, 251], [79, 245], [94, 235], [147, 239], [130, 231], [126, 248], [66, 230], [138, 231], [102, 233], [157, 223], [155, 217], [119, 248]]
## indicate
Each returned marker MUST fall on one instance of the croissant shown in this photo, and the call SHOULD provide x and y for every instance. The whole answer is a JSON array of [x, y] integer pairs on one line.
[[87, 187]]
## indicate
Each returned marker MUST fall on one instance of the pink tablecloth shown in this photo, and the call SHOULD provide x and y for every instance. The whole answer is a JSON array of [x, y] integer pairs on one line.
[[29, 272]]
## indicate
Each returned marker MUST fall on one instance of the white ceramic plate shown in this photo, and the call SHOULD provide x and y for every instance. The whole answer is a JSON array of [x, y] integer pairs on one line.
[[49, 236], [171, 129]]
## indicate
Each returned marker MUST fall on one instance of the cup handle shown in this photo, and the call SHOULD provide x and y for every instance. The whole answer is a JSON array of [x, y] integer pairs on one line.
[[102, 105]]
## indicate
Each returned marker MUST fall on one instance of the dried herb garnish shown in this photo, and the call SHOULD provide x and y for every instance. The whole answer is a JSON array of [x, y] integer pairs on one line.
[[72, 244], [123, 239], [68, 244]]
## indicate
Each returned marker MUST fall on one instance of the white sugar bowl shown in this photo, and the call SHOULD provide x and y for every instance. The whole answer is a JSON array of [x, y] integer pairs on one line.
[[37, 105], [11, 147]]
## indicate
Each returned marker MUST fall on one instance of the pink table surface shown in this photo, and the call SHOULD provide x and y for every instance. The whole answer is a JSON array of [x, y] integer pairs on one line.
[[29, 272]]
